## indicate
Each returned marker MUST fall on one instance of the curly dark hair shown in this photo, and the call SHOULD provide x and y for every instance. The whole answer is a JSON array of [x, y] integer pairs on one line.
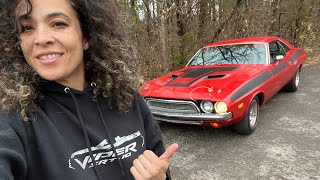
[[109, 60]]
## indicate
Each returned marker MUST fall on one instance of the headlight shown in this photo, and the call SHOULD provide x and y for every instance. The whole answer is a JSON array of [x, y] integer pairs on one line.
[[206, 106], [220, 107]]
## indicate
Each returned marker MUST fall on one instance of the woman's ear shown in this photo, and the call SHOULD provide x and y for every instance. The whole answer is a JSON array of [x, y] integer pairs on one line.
[[85, 45]]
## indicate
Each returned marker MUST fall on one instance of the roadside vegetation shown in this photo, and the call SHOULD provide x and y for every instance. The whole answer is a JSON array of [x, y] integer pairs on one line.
[[168, 32]]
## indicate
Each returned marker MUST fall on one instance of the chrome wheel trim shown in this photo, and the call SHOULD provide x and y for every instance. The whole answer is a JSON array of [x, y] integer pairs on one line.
[[297, 78], [253, 116]]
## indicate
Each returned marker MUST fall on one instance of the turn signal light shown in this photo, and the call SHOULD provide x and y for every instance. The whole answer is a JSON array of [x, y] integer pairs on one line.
[[215, 125], [240, 105]]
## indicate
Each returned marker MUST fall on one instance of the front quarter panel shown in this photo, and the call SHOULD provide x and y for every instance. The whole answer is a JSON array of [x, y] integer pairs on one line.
[[256, 82]]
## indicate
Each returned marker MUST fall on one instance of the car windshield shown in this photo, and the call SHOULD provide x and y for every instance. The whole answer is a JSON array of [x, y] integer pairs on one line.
[[230, 54]]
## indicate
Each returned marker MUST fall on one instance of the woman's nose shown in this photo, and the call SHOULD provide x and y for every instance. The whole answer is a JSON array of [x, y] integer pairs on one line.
[[43, 37]]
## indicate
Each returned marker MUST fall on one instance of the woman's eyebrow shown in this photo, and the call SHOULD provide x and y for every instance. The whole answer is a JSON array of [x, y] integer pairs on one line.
[[26, 17], [57, 14]]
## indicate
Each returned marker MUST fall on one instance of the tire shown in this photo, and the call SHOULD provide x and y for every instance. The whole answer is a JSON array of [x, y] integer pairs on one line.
[[249, 123], [293, 85]]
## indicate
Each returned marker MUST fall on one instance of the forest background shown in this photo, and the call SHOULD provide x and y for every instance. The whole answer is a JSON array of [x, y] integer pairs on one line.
[[167, 33]]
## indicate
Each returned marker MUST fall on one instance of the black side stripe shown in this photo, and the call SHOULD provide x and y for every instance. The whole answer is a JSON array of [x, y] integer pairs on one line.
[[274, 71], [264, 77], [280, 67], [257, 81], [294, 57], [283, 65]]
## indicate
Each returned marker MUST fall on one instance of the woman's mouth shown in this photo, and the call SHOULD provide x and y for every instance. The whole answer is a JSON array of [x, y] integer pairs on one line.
[[49, 56]]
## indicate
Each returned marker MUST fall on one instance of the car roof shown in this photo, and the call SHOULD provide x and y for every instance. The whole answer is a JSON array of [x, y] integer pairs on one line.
[[261, 39]]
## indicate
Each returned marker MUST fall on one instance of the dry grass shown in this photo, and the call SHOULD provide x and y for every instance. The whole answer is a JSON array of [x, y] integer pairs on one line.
[[312, 60]]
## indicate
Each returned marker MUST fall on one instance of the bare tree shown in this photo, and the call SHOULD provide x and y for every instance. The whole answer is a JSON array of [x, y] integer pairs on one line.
[[168, 32]]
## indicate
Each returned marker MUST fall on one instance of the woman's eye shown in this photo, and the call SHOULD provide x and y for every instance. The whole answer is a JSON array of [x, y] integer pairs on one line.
[[59, 24], [25, 28]]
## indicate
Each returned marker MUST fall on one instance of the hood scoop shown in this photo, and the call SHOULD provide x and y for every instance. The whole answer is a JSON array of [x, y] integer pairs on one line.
[[215, 76], [174, 76]]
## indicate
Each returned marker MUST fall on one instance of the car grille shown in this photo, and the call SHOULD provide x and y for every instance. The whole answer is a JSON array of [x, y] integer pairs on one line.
[[172, 106]]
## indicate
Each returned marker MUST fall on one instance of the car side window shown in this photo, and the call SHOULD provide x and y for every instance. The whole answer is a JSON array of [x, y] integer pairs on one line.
[[276, 49], [284, 47]]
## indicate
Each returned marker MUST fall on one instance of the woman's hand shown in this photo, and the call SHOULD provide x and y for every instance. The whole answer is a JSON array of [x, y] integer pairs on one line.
[[149, 166]]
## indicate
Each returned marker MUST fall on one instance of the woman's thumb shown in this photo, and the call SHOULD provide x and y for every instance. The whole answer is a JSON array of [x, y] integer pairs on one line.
[[169, 152]]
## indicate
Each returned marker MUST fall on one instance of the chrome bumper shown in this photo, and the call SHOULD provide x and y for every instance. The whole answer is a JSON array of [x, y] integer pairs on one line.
[[191, 118]]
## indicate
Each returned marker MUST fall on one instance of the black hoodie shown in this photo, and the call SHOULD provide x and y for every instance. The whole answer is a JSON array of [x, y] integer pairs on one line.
[[73, 136]]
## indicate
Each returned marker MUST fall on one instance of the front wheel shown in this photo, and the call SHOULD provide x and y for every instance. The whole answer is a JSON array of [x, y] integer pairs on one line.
[[249, 123]]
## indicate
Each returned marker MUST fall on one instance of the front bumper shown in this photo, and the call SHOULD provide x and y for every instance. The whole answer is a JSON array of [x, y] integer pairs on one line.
[[182, 111], [191, 118]]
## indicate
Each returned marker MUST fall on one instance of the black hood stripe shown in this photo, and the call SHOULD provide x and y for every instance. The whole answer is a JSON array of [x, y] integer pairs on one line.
[[197, 74]]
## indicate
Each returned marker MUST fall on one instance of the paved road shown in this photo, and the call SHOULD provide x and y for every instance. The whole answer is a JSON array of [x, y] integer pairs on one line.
[[285, 145]]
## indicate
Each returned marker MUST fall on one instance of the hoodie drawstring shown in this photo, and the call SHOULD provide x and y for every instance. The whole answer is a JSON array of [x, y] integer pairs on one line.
[[112, 146], [93, 84], [67, 90], [84, 130]]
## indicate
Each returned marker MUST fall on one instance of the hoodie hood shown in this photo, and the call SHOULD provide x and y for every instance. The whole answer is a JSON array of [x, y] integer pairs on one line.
[[51, 87]]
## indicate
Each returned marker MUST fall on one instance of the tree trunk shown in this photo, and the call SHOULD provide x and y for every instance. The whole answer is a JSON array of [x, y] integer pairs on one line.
[[163, 37], [148, 17], [179, 14], [203, 20], [298, 23], [234, 12]]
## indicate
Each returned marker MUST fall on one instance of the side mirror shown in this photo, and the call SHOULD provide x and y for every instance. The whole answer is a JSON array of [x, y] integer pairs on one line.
[[279, 57]]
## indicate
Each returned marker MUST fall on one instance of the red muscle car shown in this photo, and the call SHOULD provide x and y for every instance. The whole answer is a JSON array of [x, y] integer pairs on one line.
[[226, 82]]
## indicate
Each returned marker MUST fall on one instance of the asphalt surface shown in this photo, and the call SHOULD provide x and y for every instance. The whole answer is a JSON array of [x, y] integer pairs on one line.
[[285, 145]]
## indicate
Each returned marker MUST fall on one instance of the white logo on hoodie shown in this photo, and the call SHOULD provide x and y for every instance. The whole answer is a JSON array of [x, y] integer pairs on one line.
[[103, 152]]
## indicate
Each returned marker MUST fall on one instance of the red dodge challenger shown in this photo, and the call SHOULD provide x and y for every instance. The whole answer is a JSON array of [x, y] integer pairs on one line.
[[225, 83]]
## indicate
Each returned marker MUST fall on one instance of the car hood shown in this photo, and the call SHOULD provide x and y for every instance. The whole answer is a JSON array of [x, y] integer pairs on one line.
[[197, 82]]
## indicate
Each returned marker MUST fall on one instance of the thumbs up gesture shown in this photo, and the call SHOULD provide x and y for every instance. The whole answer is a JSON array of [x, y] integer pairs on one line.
[[149, 166]]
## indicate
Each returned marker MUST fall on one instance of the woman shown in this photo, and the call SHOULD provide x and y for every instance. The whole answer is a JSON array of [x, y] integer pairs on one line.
[[69, 106]]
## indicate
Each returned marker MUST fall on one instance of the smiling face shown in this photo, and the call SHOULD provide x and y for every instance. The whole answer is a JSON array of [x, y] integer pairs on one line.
[[52, 41]]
